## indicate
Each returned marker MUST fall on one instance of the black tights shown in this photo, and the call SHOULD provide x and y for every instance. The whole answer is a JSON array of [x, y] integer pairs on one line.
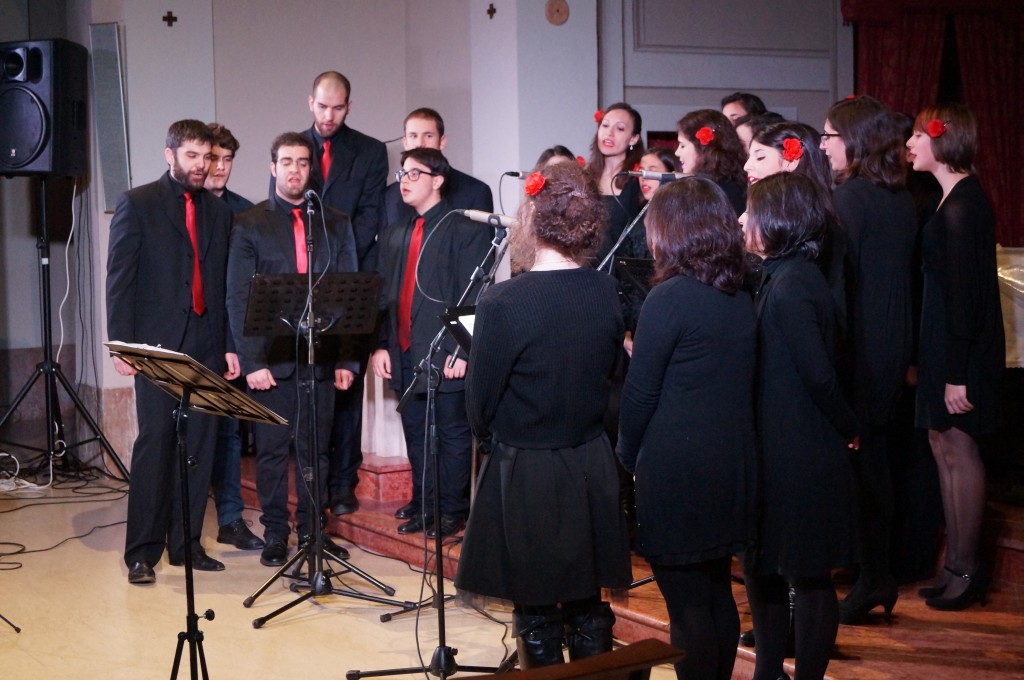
[[816, 622], [702, 615]]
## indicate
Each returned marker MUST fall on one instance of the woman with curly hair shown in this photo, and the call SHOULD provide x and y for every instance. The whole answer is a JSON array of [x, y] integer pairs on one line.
[[686, 425], [546, 530], [962, 351], [709, 146]]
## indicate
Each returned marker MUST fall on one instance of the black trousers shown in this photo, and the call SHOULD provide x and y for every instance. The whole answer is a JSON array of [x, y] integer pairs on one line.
[[276, 444], [154, 496], [454, 447]]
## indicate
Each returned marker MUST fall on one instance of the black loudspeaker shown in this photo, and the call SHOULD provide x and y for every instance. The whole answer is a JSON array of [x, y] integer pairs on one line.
[[43, 108]]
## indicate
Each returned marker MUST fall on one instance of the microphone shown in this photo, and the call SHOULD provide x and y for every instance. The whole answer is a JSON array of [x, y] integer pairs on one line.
[[492, 219], [658, 176], [518, 174], [310, 195]]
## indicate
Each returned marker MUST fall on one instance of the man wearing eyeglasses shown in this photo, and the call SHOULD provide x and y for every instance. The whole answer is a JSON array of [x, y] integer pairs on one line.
[[424, 127], [427, 261]]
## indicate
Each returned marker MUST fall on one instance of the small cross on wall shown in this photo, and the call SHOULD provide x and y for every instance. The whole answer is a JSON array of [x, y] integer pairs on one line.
[[491, 11], [169, 18]]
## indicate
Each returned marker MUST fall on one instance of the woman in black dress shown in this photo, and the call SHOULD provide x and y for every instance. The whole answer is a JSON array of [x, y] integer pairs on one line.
[[708, 145], [962, 351], [804, 428], [686, 425], [617, 148], [877, 214], [546, 530]]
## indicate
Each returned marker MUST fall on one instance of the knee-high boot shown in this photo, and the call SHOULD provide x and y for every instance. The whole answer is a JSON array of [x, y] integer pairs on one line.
[[589, 632], [539, 639]]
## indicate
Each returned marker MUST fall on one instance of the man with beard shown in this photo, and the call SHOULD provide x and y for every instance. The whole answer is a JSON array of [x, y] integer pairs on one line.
[[271, 239], [166, 268]]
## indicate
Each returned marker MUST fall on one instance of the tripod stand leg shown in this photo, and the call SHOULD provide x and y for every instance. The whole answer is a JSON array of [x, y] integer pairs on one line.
[[258, 622], [349, 567], [276, 575], [96, 431]]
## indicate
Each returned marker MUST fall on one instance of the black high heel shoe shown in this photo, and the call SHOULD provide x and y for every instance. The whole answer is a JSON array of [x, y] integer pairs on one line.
[[937, 591], [854, 609], [977, 589]]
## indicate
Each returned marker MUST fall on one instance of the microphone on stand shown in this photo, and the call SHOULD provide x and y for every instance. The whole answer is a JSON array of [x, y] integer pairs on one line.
[[493, 219], [518, 174], [658, 176]]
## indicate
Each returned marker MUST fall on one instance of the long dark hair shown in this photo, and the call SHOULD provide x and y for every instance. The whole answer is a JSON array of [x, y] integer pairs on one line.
[[595, 166], [871, 135], [813, 163], [692, 230], [722, 158]]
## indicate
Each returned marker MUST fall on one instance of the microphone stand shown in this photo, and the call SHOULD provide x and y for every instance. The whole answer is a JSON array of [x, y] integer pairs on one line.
[[442, 662], [622, 238]]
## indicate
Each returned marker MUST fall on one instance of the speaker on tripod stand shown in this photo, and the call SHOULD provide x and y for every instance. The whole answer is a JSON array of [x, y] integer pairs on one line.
[[43, 134]]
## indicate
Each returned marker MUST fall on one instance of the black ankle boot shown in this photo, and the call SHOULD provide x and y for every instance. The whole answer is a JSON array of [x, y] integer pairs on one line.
[[539, 639], [589, 633]]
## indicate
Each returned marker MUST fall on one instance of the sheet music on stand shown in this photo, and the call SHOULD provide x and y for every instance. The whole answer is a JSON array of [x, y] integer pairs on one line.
[[352, 297], [174, 372], [460, 322]]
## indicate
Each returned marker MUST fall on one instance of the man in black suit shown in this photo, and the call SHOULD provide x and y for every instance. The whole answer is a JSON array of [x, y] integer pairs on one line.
[[166, 267], [271, 239], [425, 128], [226, 480], [427, 261], [357, 168]]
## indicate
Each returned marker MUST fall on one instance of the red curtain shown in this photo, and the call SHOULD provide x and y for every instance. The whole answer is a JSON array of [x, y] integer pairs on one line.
[[991, 51], [898, 62]]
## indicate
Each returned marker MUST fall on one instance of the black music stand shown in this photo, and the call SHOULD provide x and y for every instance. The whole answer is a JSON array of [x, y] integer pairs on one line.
[[341, 304], [195, 387]]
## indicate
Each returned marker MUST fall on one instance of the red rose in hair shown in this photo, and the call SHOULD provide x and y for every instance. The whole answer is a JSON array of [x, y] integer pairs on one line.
[[598, 116], [582, 161], [636, 167], [936, 128], [534, 183], [705, 135], [792, 149]]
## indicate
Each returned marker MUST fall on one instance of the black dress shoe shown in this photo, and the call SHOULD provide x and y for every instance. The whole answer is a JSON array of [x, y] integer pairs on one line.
[[141, 573], [200, 562], [448, 526], [345, 503], [275, 553], [334, 549], [415, 525], [407, 511], [239, 535]]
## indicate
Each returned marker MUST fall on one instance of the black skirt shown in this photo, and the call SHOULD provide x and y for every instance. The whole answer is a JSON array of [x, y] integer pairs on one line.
[[546, 526]]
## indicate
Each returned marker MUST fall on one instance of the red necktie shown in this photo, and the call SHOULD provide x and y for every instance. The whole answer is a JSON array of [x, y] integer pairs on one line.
[[325, 159], [197, 276], [300, 241], [408, 286]]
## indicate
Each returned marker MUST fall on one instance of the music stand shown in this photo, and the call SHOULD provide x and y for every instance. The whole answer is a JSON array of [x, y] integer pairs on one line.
[[341, 304], [460, 322], [195, 387]]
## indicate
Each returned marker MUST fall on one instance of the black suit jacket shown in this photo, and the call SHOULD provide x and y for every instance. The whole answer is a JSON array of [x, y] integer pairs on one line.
[[465, 193], [149, 266], [452, 248], [263, 242], [359, 170]]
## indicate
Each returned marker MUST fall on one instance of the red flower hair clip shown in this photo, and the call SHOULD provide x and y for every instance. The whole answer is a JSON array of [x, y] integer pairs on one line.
[[936, 128], [636, 167], [792, 149], [705, 135], [534, 183], [598, 116], [582, 161]]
